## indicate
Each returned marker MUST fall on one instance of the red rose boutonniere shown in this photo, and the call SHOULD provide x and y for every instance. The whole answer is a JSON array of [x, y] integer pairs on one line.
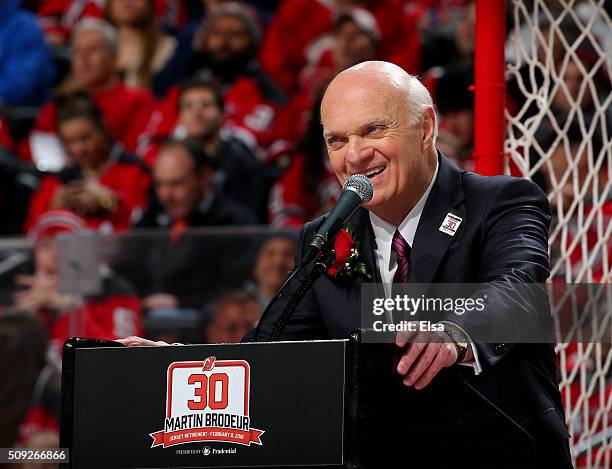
[[347, 265]]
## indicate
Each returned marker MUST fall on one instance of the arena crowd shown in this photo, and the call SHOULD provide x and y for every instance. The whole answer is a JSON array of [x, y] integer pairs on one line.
[[149, 121]]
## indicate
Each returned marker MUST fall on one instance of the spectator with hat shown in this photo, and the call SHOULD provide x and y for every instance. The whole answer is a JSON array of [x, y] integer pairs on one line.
[[300, 24], [224, 49], [114, 312]]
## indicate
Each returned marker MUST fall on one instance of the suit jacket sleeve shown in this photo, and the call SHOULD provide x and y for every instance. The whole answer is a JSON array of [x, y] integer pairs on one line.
[[514, 265]]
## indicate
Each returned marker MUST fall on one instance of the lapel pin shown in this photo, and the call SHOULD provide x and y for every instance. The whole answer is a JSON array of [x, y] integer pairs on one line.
[[450, 225]]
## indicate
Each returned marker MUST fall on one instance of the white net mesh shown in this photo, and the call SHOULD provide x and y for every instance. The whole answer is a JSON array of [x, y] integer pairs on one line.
[[558, 134]]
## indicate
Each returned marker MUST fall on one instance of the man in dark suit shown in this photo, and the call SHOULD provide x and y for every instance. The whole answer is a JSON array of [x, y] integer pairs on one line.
[[167, 270], [380, 122]]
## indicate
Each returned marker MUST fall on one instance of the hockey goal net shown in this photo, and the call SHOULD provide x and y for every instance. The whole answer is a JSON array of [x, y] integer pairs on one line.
[[558, 115]]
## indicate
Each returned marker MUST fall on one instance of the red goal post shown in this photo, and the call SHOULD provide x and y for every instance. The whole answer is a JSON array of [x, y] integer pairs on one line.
[[543, 111]]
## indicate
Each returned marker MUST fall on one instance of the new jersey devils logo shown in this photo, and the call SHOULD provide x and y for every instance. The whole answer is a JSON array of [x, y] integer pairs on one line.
[[209, 363]]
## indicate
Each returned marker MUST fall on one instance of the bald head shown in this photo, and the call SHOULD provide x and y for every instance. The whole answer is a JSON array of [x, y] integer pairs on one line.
[[391, 83]]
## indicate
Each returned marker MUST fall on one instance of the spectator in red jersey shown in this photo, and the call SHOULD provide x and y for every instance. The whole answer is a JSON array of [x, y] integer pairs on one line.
[[354, 40], [224, 49], [112, 313], [126, 111], [577, 170], [59, 17], [298, 24], [144, 47], [102, 183]]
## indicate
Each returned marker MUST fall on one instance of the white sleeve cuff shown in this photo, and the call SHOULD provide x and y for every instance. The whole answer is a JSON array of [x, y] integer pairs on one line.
[[475, 363]]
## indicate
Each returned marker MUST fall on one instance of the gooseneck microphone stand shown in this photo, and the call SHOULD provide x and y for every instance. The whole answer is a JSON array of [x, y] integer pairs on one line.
[[321, 264]]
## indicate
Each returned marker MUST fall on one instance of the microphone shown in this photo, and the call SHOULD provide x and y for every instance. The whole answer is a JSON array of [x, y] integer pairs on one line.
[[357, 190]]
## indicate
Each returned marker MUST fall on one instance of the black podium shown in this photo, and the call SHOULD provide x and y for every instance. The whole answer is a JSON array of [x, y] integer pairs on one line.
[[282, 404]]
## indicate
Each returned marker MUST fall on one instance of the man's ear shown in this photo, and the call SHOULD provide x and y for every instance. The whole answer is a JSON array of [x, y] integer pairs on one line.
[[429, 127]]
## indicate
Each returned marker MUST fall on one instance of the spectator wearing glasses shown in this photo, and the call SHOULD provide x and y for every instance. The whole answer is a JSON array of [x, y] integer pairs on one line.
[[126, 111]]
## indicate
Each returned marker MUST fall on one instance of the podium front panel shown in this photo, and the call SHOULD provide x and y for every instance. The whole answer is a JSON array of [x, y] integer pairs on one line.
[[238, 405]]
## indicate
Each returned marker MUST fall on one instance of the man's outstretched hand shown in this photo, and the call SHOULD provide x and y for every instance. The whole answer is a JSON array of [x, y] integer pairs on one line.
[[134, 341], [427, 353]]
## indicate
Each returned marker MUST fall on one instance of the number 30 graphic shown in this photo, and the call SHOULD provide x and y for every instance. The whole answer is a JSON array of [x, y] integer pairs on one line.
[[206, 392]]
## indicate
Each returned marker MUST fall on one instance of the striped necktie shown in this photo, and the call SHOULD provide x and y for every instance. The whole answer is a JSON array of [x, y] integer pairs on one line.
[[402, 249]]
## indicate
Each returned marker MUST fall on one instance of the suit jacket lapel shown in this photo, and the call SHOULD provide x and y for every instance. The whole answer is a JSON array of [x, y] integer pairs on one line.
[[430, 244]]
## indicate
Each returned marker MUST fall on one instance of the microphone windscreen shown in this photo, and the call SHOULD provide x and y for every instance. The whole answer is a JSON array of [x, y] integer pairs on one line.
[[361, 185]]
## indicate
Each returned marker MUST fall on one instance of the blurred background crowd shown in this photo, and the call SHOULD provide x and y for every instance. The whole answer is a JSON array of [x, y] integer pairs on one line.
[[181, 142]]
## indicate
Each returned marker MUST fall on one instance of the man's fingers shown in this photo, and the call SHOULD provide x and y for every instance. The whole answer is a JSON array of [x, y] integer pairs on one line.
[[403, 337], [422, 364], [445, 357], [410, 356], [24, 280], [135, 341]]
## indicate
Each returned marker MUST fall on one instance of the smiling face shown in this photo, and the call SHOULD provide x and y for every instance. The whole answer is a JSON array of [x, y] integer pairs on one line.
[[370, 129]]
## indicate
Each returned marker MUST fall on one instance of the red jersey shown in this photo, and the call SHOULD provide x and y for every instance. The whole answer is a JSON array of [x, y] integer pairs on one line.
[[299, 23], [6, 140], [61, 16], [126, 112], [249, 116], [125, 175], [292, 203]]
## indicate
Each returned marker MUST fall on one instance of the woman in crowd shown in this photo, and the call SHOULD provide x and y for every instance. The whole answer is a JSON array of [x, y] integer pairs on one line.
[[144, 47], [102, 184]]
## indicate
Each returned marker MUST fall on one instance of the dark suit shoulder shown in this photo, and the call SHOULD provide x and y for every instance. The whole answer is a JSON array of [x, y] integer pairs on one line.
[[502, 193], [476, 184]]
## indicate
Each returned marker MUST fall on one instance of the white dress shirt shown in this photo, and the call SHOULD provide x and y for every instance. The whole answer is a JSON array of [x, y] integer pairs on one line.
[[386, 258]]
